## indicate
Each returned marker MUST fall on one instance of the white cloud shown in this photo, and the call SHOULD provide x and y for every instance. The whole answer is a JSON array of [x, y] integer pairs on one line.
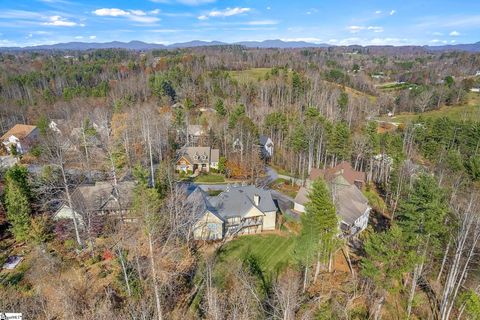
[[437, 34], [437, 41], [134, 15], [79, 37], [269, 8], [454, 34], [453, 41], [355, 29], [393, 12], [378, 12], [375, 28], [92, 37], [138, 12], [185, 2], [59, 21], [110, 12], [228, 12]]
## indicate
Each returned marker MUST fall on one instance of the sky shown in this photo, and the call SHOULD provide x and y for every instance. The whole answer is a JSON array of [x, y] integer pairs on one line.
[[364, 22]]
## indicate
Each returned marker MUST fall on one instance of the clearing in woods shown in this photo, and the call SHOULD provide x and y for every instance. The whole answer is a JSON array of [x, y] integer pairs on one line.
[[463, 112]]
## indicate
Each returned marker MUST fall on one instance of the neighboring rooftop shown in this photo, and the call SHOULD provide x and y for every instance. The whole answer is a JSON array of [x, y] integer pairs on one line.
[[19, 130], [98, 196], [344, 168], [263, 140], [199, 154]]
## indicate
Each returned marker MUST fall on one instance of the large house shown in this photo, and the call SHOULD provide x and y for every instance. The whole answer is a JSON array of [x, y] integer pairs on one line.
[[101, 198], [266, 145], [197, 159], [237, 210], [344, 184], [351, 175], [21, 138]]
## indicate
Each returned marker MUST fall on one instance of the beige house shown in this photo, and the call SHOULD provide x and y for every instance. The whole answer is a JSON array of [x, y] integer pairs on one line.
[[237, 210], [22, 137], [197, 159]]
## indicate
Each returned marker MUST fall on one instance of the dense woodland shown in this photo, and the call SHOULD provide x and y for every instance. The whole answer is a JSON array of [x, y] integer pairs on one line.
[[123, 115]]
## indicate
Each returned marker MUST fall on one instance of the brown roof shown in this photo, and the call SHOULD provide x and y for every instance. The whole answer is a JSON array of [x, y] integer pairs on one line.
[[19, 130], [103, 196], [344, 168]]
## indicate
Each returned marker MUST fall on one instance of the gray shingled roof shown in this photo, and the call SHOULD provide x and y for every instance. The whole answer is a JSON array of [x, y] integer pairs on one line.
[[350, 203], [263, 140], [238, 200], [302, 196]]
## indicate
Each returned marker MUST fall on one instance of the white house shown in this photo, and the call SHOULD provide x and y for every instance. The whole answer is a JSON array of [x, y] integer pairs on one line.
[[267, 146], [477, 90], [22, 137], [237, 210]]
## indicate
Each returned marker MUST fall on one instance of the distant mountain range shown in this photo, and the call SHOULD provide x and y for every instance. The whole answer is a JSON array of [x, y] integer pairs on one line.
[[142, 46]]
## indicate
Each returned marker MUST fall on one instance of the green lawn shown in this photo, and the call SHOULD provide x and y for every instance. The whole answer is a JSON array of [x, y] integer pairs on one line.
[[210, 178], [250, 75], [273, 252]]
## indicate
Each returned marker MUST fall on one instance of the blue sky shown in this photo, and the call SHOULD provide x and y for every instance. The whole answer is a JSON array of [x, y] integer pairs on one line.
[[365, 22]]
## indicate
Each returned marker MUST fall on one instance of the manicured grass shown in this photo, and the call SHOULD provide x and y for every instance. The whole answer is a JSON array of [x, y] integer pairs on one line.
[[273, 252], [468, 111], [210, 178], [250, 75]]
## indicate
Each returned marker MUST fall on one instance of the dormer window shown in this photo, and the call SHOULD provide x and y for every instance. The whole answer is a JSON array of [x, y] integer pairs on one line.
[[195, 156]]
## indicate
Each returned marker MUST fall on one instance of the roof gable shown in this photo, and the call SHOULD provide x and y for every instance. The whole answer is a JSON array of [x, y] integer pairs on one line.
[[20, 131]]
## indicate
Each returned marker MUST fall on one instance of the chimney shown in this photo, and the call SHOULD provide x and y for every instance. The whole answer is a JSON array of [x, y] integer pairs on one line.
[[256, 199]]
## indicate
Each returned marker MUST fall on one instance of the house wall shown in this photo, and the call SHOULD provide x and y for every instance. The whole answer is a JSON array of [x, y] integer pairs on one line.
[[183, 165], [298, 207], [269, 147], [362, 222], [270, 220], [209, 227]]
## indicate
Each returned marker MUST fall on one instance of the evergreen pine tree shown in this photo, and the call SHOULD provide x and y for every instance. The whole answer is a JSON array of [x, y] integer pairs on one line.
[[318, 237], [18, 211]]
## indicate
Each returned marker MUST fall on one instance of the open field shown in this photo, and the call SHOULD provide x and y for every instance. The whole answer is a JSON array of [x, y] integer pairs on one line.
[[249, 75], [468, 111]]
